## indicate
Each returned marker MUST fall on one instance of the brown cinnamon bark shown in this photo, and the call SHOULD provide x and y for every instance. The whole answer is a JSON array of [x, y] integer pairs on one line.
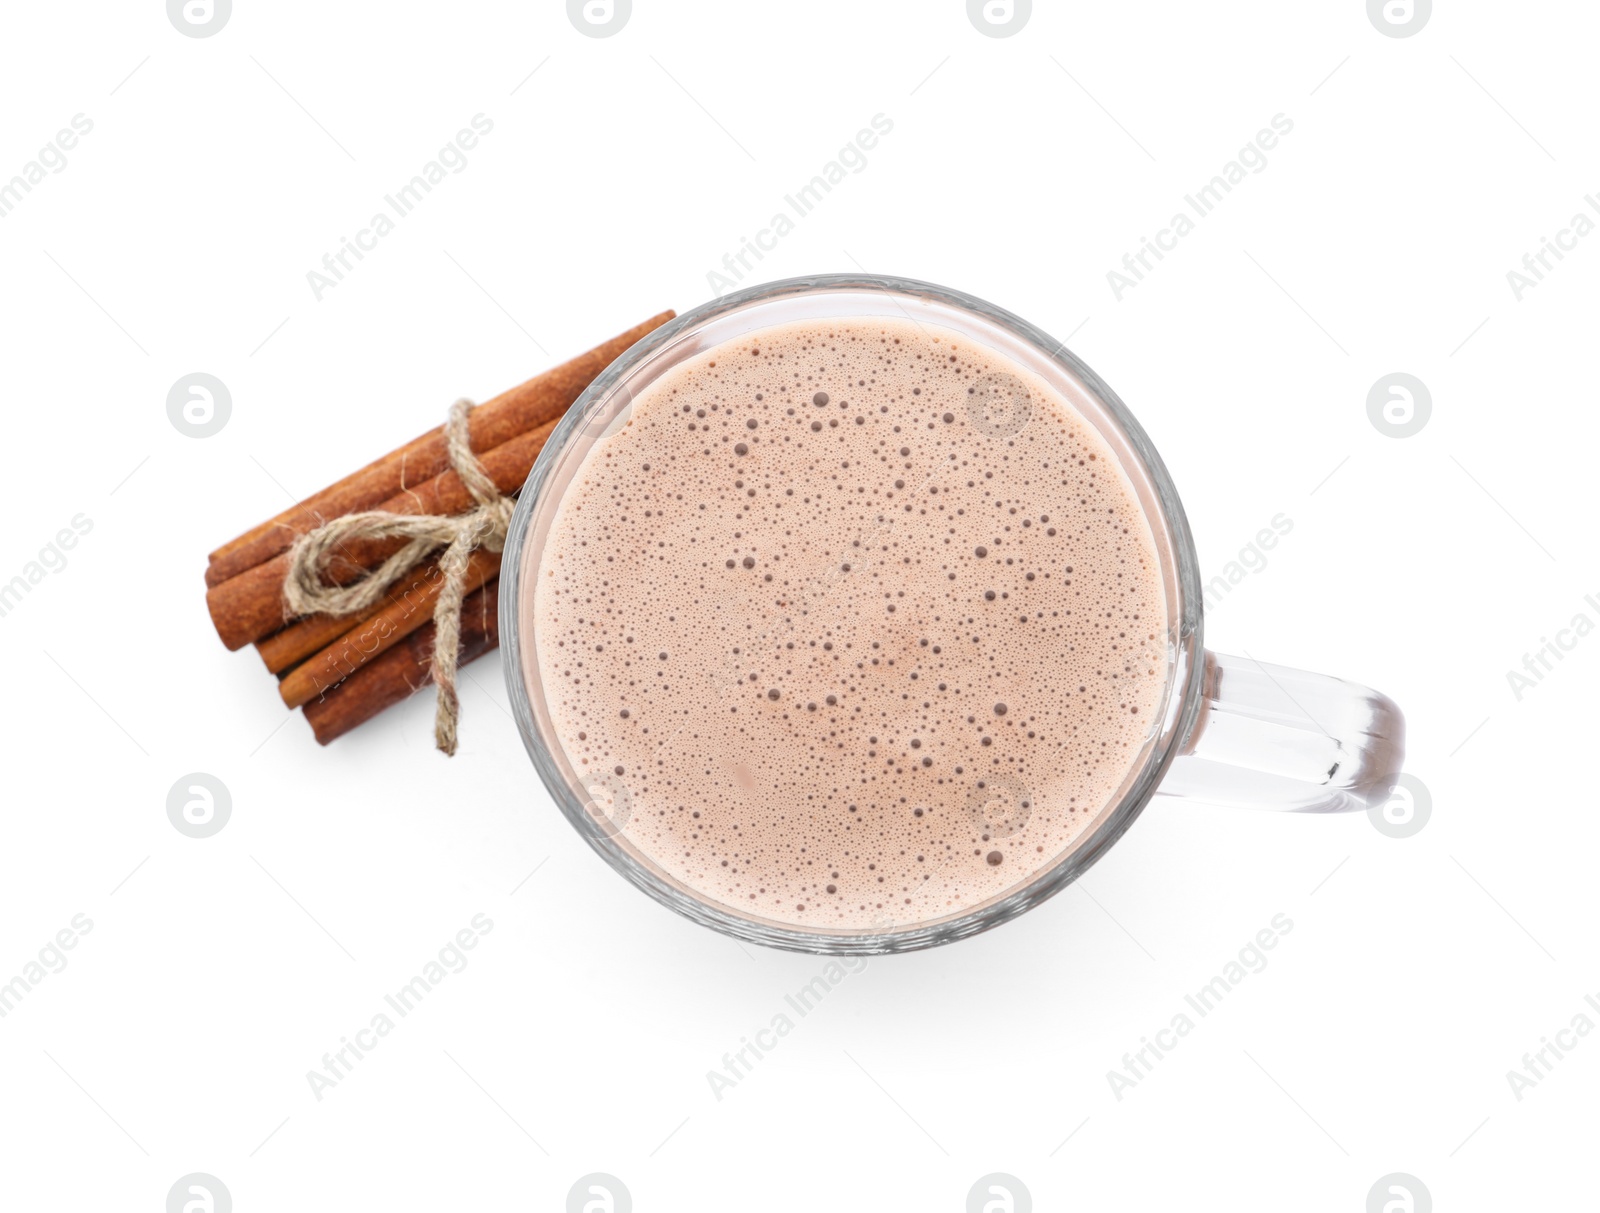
[[540, 400], [364, 642], [285, 649], [404, 669], [247, 607]]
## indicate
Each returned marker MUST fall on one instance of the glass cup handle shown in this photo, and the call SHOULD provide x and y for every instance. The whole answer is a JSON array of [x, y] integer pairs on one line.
[[1268, 737]]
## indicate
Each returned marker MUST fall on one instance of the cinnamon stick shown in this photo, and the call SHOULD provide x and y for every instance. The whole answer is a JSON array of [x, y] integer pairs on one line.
[[289, 646], [541, 399], [404, 669], [364, 642], [247, 607]]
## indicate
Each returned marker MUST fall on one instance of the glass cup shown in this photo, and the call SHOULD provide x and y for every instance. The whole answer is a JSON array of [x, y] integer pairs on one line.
[[1229, 730]]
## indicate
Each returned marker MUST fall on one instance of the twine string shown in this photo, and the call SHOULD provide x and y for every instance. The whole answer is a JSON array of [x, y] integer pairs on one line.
[[306, 593]]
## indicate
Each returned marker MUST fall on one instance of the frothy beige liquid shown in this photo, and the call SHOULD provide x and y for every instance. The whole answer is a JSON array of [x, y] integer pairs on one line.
[[857, 621]]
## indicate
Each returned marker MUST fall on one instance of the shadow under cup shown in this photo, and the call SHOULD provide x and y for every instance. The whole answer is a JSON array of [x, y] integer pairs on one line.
[[1287, 759]]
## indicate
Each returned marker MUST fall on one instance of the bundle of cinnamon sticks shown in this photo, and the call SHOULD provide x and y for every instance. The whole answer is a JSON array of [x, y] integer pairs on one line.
[[343, 671]]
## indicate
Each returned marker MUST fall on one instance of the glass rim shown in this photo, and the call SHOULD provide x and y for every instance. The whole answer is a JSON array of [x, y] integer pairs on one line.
[[1180, 573]]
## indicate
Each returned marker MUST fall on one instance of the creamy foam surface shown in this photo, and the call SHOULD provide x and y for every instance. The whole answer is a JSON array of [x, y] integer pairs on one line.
[[851, 623]]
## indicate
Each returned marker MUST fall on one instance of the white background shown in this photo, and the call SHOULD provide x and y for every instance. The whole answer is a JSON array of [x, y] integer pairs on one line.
[[617, 175]]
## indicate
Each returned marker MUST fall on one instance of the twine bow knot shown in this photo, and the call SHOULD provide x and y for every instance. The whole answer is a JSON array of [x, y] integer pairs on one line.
[[306, 593]]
